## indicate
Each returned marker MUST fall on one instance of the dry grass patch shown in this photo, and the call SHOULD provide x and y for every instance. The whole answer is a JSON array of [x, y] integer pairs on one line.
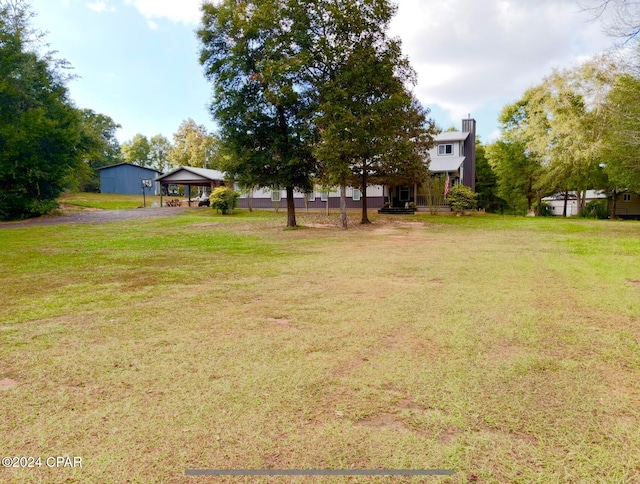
[[506, 349]]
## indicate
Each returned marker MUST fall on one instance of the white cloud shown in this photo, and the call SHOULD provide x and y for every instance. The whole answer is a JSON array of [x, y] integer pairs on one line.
[[185, 11], [468, 52], [152, 25], [100, 7]]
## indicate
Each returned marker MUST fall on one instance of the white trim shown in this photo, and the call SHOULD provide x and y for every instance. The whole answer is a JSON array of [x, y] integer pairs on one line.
[[626, 197], [442, 149], [356, 195]]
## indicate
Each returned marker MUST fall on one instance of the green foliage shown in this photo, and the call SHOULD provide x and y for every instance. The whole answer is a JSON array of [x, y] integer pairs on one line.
[[596, 209], [100, 148], [224, 199], [621, 148], [253, 54], [433, 188], [40, 131], [462, 198], [159, 149], [193, 146], [517, 171], [137, 151], [486, 181], [308, 89]]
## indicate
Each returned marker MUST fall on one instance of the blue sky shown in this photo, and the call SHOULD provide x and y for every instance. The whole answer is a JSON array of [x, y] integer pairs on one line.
[[137, 60]]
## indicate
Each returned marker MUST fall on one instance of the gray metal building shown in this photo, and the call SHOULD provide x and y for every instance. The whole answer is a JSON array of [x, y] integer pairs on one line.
[[125, 178]]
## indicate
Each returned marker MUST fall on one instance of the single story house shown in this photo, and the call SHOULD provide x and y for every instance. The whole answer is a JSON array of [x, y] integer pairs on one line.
[[453, 156], [627, 204]]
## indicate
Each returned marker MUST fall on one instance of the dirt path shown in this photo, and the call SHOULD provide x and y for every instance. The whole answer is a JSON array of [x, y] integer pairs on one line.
[[96, 216]]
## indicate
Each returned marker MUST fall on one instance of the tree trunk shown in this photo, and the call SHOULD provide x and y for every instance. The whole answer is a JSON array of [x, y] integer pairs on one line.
[[343, 205], [612, 208], [566, 201], [291, 208], [365, 216], [538, 203]]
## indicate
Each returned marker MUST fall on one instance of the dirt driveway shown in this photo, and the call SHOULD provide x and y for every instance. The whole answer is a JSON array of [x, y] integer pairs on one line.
[[96, 216]]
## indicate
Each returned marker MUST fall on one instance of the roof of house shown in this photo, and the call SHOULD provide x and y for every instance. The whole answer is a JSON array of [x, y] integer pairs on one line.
[[451, 136], [130, 164], [442, 164], [200, 174]]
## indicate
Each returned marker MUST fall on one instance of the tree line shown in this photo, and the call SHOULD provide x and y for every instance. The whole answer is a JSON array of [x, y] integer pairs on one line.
[[577, 130], [47, 144]]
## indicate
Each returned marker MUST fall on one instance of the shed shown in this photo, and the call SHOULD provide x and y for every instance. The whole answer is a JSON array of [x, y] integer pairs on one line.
[[190, 176], [126, 178]]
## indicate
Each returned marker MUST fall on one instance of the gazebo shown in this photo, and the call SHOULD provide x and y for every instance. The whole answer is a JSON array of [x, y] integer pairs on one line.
[[190, 176]]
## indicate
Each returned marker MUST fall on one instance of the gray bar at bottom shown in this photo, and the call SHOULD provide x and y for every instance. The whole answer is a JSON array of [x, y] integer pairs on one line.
[[318, 472]]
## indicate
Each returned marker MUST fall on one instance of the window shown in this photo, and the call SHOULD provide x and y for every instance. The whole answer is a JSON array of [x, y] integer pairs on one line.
[[356, 194], [276, 196], [445, 149], [404, 194], [324, 196], [310, 196], [626, 197]]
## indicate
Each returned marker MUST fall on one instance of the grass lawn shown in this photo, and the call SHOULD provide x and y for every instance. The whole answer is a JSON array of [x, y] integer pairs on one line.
[[506, 349], [107, 201]]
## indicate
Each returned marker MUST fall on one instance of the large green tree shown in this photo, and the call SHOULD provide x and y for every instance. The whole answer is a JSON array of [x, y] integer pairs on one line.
[[371, 129], [40, 129], [254, 57]]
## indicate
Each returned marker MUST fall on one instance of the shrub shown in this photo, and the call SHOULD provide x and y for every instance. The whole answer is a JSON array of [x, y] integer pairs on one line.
[[462, 198], [224, 199], [596, 209]]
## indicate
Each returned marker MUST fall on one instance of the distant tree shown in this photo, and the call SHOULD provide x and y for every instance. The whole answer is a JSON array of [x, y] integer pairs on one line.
[[100, 148], [518, 172], [620, 152], [193, 146], [137, 151], [159, 150], [40, 129], [486, 181]]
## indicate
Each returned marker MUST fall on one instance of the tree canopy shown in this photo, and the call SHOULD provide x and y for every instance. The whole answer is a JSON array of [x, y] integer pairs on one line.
[[310, 89], [40, 129]]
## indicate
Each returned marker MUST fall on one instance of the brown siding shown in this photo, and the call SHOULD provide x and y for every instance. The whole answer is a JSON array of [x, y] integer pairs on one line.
[[628, 209]]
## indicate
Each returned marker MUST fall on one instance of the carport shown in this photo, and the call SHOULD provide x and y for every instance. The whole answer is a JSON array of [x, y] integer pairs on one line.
[[191, 177]]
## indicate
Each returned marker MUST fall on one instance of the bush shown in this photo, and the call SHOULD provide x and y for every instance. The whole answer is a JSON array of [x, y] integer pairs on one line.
[[224, 199], [462, 198], [544, 209], [596, 209]]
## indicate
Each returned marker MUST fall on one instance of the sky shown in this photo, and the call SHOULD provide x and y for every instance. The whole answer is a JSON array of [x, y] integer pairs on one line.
[[137, 60]]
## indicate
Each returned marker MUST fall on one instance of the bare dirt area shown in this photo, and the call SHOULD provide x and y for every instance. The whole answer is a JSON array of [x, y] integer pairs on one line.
[[95, 216]]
